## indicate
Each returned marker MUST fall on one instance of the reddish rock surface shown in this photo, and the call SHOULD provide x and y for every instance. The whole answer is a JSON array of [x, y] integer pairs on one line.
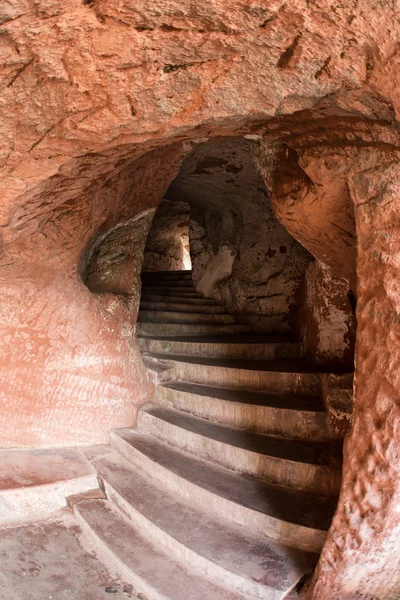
[[88, 87], [360, 559], [310, 196]]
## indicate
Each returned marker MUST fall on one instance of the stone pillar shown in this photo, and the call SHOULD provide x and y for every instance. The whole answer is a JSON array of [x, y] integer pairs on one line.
[[310, 197], [361, 558]]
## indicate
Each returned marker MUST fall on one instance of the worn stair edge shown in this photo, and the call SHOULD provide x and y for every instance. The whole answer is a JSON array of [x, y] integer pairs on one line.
[[37, 482], [139, 562], [36, 501], [291, 534], [172, 290], [225, 349], [182, 307], [171, 300], [172, 272], [295, 423], [181, 281], [157, 316], [162, 423], [179, 329], [197, 537], [240, 375], [170, 279]]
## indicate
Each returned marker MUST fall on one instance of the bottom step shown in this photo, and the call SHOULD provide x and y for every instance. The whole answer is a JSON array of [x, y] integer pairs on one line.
[[227, 555], [150, 571], [291, 517]]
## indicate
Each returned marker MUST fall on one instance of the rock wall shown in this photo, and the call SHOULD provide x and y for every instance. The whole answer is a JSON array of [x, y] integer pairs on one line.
[[167, 245], [70, 367], [241, 254], [88, 87], [360, 559], [310, 196]]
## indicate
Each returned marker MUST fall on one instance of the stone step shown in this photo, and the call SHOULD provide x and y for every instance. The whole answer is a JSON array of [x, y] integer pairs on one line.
[[227, 555], [172, 274], [275, 376], [290, 517], [293, 416], [307, 466], [154, 573], [156, 372], [173, 299], [167, 282], [179, 329], [175, 291], [37, 482], [157, 316], [242, 346], [181, 307]]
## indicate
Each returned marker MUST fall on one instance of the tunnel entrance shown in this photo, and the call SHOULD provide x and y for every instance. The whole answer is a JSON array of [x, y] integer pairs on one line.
[[242, 414], [224, 221], [238, 386]]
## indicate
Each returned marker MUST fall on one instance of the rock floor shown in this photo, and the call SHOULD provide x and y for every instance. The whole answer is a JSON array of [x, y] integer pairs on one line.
[[54, 560]]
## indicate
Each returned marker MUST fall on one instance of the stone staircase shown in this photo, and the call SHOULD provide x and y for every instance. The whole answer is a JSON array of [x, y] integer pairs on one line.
[[227, 487]]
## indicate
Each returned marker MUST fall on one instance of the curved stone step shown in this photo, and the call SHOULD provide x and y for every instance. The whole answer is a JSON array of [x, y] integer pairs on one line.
[[291, 517], [172, 290], [157, 316], [37, 482], [275, 376], [167, 282], [182, 307], [147, 297], [187, 274], [247, 347], [305, 466], [142, 564], [293, 416], [184, 286], [179, 329], [225, 554]]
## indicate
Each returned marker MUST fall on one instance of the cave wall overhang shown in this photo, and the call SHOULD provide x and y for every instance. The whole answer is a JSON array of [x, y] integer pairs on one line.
[[90, 87]]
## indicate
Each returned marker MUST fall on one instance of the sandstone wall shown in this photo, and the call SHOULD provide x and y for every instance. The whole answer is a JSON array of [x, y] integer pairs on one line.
[[310, 196], [241, 254], [70, 367], [167, 245], [90, 86]]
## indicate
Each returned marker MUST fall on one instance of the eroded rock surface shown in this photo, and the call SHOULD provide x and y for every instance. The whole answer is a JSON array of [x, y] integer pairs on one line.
[[310, 196], [167, 244], [88, 87], [360, 559], [241, 254]]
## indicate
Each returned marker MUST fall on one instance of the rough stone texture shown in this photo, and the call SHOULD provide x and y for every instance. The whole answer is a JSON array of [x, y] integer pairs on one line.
[[90, 86], [54, 559], [323, 318], [167, 245], [114, 262], [361, 558], [311, 198], [337, 394], [241, 254], [71, 369], [36, 482]]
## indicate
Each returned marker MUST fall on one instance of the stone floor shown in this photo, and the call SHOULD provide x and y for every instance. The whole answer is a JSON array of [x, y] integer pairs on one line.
[[54, 560]]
